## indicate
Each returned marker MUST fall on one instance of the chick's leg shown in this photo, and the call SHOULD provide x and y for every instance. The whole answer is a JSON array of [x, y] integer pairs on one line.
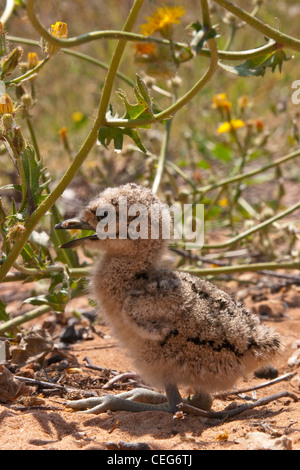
[[136, 400]]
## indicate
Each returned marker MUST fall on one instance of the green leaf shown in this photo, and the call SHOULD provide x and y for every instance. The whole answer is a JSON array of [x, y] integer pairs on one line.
[[4, 316], [33, 171], [16, 187], [136, 138], [55, 300], [257, 66], [203, 164], [140, 110], [108, 134], [143, 108], [222, 152], [58, 238], [142, 92], [28, 255]]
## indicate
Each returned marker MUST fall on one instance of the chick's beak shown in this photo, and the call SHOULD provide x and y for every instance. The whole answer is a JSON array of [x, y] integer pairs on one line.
[[74, 224]]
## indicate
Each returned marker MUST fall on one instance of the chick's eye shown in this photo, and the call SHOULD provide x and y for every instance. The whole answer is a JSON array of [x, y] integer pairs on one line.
[[102, 216]]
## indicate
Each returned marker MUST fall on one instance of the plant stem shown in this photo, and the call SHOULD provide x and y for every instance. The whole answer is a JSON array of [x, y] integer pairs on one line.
[[79, 55], [37, 312], [28, 74], [9, 7], [254, 229], [125, 34], [241, 268], [222, 54], [251, 173], [162, 157], [281, 38], [83, 152], [37, 272], [115, 61]]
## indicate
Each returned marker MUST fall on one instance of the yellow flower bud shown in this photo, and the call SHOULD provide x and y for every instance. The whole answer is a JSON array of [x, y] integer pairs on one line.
[[259, 125], [15, 233], [32, 60], [243, 102], [220, 101], [7, 121], [27, 100], [58, 30], [11, 61], [6, 104], [63, 133]]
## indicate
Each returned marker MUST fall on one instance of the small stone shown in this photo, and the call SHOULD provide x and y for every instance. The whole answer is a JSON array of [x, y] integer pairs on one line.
[[294, 360], [261, 441], [295, 382]]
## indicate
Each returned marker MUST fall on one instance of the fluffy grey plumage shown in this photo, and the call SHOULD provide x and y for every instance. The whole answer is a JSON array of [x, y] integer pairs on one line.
[[179, 330]]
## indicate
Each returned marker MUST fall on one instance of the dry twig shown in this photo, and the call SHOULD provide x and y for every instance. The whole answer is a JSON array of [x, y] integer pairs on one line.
[[236, 411]]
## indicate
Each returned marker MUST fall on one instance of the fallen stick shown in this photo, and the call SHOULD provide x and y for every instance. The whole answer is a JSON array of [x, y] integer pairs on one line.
[[256, 387], [235, 411], [56, 386]]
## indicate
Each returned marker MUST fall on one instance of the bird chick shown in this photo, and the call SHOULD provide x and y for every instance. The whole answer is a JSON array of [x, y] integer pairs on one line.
[[180, 330]]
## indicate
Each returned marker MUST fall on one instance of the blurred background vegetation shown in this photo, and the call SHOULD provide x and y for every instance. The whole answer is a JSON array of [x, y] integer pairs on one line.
[[67, 89]]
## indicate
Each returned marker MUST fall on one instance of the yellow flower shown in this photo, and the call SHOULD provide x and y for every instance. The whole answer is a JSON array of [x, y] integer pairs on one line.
[[142, 48], [220, 101], [6, 104], [223, 202], [222, 436], [32, 59], [162, 20], [60, 31], [77, 116], [229, 126]]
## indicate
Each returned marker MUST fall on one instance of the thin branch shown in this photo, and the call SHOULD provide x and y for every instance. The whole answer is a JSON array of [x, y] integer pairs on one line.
[[256, 387], [9, 7], [240, 268], [254, 229], [223, 55], [235, 411], [19, 320], [249, 174], [162, 157], [77, 54], [275, 34], [28, 74]]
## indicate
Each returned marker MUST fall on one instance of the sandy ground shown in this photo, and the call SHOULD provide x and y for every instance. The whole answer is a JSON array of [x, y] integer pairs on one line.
[[47, 424]]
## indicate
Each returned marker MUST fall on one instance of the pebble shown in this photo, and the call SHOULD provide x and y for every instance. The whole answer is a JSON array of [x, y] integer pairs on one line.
[[262, 441]]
